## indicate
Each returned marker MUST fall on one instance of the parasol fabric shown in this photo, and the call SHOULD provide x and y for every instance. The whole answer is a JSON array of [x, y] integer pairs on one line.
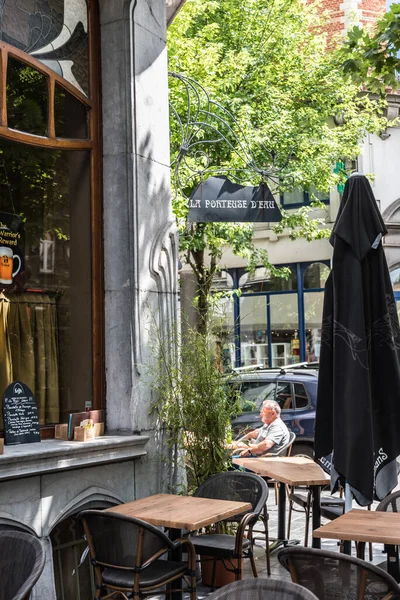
[[357, 430]]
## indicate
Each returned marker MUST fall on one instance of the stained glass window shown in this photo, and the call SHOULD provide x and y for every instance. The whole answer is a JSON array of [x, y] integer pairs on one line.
[[53, 31]]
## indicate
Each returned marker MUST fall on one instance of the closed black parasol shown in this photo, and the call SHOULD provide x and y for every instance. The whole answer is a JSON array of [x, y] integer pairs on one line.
[[358, 410]]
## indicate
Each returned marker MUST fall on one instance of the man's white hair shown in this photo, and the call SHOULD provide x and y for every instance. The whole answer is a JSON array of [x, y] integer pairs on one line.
[[272, 405]]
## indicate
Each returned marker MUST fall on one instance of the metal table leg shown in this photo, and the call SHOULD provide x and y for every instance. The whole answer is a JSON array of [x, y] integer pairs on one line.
[[393, 561], [176, 555], [282, 539], [316, 513]]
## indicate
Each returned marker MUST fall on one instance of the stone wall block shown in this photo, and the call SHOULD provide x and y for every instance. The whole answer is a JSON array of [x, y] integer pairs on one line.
[[151, 100], [151, 14], [117, 230], [115, 90], [20, 504], [118, 336], [113, 10], [113, 483]]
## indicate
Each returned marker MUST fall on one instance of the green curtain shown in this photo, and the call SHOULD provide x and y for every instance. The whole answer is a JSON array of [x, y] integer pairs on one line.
[[6, 371], [32, 329]]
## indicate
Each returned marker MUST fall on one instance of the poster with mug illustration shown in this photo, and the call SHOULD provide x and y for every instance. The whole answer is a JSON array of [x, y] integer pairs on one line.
[[12, 244]]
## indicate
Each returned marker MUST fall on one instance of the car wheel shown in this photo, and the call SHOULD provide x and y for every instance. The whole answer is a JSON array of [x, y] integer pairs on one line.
[[304, 449]]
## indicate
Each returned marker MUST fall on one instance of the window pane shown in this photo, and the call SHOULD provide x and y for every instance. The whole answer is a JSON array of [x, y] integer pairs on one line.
[[257, 392], [395, 279], [222, 281], [314, 193], [53, 31], [26, 98], [284, 396], [71, 116], [222, 323], [284, 330], [262, 281], [253, 331], [300, 395], [295, 196], [315, 275], [313, 305], [49, 323]]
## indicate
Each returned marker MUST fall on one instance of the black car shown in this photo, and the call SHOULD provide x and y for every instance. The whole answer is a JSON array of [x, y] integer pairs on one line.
[[295, 390]]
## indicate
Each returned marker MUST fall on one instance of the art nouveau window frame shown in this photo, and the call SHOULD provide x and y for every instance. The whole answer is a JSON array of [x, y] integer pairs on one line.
[[91, 144]]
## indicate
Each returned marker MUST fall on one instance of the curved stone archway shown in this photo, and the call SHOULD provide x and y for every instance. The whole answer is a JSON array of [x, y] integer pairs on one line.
[[391, 217]]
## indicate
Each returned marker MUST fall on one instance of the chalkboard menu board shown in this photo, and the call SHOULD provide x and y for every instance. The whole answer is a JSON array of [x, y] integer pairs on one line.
[[21, 420]]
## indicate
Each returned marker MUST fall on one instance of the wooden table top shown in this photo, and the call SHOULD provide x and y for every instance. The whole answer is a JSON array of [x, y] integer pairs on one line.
[[293, 470], [180, 512], [363, 526]]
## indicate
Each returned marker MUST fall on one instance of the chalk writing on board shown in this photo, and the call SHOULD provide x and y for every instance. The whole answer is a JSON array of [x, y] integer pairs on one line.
[[20, 414]]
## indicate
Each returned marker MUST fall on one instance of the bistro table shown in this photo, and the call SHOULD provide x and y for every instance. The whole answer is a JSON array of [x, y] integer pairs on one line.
[[180, 512], [367, 526], [290, 470]]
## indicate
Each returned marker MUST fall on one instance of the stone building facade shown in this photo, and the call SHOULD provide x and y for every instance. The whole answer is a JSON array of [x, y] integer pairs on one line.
[[121, 235]]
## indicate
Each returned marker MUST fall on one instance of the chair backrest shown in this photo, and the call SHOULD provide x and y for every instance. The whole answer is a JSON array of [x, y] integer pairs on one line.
[[286, 449], [335, 575], [236, 486], [22, 560], [121, 541], [262, 589], [390, 504]]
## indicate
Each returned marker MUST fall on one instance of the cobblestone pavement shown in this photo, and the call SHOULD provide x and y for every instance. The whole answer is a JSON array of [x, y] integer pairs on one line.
[[297, 533]]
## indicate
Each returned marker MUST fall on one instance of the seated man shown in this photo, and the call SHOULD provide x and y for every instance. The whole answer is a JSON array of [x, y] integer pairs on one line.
[[269, 438]]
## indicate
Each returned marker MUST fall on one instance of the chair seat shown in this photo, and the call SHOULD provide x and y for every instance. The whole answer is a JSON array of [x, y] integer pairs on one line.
[[153, 575], [331, 512], [301, 499], [332, 501], [219, 545]]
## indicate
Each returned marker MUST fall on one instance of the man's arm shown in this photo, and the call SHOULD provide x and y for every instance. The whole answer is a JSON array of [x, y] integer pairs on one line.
[[251, 435], [260, 448]]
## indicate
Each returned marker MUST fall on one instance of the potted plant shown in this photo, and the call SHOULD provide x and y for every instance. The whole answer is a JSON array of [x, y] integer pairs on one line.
[[193, 402]]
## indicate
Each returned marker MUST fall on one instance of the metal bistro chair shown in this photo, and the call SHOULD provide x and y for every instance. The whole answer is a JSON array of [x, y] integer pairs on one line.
[[262, 589], [389, 504], [286, 450], [127, 556], [331, 506], [331, 575], [241, 487], [22, 560]]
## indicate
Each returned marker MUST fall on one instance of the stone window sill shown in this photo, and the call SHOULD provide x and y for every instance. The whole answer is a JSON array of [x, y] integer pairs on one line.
[[48, 456]]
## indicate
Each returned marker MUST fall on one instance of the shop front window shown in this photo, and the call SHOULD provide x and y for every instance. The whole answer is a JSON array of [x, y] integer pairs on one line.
[[222, 324], [253, 331], [313, 305], [315, 276], [285, 342], [50, 215]]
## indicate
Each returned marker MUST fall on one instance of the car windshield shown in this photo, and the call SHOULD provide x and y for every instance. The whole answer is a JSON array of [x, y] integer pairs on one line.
[[253, 394]]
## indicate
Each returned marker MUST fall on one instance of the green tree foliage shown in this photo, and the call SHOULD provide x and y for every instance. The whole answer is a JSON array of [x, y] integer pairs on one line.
[[372, 57], [266, 61]]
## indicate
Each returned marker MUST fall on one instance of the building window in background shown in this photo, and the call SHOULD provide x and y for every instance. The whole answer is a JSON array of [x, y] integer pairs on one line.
[[298, 197]]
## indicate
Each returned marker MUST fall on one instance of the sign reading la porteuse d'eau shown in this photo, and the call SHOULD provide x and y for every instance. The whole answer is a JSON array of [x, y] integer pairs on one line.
[[219, 200]]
